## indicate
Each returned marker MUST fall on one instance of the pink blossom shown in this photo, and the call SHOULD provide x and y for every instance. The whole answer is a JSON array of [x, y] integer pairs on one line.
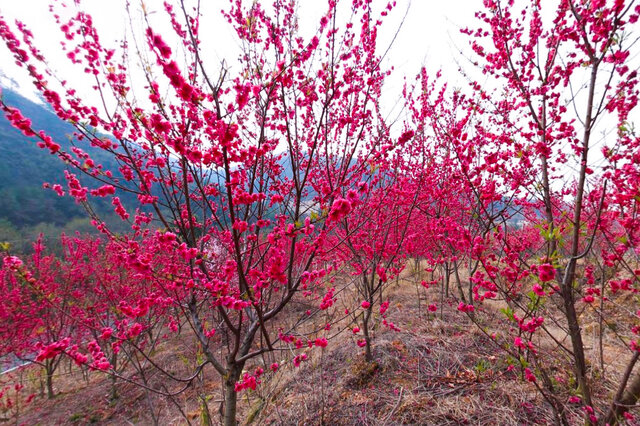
[[298, 359], [529, 375], [339, 209], [463, 307], [321, 342], [240, 226], [537, 289], [546, 272], [106, 333]]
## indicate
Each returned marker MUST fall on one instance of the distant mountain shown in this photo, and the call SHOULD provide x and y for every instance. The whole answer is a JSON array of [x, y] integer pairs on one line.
[[22, 85], [25, 206], [24, 167]]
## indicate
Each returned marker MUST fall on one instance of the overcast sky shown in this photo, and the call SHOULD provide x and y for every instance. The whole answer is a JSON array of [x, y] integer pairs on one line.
[[429, 36]]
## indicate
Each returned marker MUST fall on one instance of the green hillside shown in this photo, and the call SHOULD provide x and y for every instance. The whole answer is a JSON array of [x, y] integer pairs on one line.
[[26, 208]]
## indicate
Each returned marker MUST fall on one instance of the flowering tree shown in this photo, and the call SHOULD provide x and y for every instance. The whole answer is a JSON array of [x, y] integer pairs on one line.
[[375, 234], [38, 312], [525, 145], [239, 177], [247, 187], [122, 314], [453, 216]]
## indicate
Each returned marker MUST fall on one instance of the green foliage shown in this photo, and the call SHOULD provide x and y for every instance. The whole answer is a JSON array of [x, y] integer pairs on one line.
[[508, 313], [482, 366], [27, 209]]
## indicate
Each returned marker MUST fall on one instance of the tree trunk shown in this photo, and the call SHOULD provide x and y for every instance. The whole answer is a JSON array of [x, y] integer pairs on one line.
[[626, 397], [575, 333], [447, 279], [601, 330], [50, 392], [459, 282], [113, 393], [368, 354], [231, 396]]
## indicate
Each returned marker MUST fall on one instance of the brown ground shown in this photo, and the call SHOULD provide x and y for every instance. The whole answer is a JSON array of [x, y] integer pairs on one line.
[[435, 371]]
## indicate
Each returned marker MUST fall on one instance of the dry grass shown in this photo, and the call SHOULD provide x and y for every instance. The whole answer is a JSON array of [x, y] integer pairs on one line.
[[438, 370], [434, 371]]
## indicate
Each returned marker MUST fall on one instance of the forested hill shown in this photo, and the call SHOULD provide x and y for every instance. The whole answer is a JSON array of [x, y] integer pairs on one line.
[[26, 208]]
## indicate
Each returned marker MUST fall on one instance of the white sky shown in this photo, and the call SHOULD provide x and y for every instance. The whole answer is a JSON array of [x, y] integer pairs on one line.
[[430, 35]]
